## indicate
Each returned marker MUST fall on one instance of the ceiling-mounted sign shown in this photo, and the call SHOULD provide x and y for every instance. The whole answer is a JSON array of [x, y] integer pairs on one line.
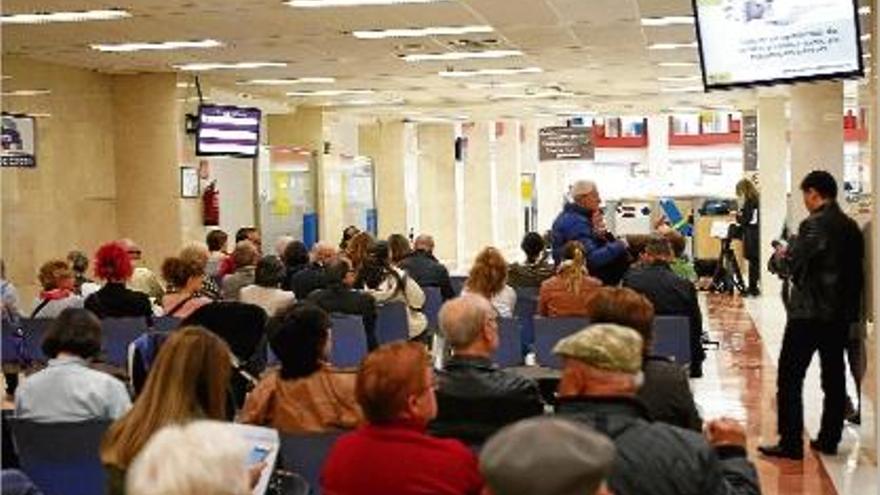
[[566, 143], [19, 141]]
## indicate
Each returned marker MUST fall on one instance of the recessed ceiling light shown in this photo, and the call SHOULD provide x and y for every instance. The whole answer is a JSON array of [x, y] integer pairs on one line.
[[332, 92], [672, 20], [312, 4], [27, 92], [183, 85], [680, 79], [287, 81], [677, 64], [47, 17], [485, 54], [865, 37], [496, 85], [866, 55], [532, 96], [5, 77], [671, 46], [366, 103], [230, 65], [490, 72], [379, 34], [683, 89], [163, 45], [866, 10], [684, 109]]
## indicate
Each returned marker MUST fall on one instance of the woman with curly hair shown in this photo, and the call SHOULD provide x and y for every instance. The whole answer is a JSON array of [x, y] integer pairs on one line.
[[358, 249], [488, 278], [185, 277], [114, 300], [58, 294]]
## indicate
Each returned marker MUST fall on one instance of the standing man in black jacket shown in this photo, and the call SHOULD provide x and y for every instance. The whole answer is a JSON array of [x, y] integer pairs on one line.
[[825, 266], [424, 268]]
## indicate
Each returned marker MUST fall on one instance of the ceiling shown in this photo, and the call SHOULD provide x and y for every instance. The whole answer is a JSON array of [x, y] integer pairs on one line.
[[595, 49]]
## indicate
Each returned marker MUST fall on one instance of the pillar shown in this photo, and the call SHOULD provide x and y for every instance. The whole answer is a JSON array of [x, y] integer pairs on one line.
[[508, 206], [437, 205], [772, 178], [147, 173], [385, 143], [816, 137], [478, 191]]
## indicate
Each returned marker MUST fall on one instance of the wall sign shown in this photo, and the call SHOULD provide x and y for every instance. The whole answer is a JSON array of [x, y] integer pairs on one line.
[[189, 182], [566, 143], [19, 141]]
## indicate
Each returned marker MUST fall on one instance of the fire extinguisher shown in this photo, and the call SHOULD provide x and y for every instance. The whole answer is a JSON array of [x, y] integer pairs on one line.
[[211, 205]]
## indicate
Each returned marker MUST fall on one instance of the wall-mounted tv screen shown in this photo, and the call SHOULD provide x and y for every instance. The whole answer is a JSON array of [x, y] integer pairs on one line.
[[764, 42], [228, 130]]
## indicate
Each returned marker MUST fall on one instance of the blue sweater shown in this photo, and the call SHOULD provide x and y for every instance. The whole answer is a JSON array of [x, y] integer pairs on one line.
[[573, 224]]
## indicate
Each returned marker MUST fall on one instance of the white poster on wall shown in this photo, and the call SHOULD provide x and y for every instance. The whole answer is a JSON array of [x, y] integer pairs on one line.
[[19, 141], [744, 42]]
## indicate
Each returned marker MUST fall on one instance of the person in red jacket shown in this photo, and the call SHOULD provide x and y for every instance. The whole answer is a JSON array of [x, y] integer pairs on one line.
[[393, 453]]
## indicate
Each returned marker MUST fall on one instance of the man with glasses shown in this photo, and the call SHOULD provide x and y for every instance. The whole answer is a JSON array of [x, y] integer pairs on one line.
[[475, 397], [392, 453]]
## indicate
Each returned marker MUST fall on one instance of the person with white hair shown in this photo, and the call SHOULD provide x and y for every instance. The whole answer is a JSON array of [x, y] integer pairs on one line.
[[143, 279], [425, 269], [607, 258], [192, 459], [313, 277], [281, 244]]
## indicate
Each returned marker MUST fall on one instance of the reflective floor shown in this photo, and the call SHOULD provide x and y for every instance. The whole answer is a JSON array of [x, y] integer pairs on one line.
[[740, 382]]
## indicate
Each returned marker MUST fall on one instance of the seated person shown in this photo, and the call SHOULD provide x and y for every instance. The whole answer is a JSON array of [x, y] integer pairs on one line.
[[313, 277], [576, 455], [339, 297], [142, 278], [600, 375], [217, 241], [265, 292], [679, 264], [245, 256], [424, 268], [67, 390], [197, 254], [388, 283], [568, 292], [185, 278], [665, 392], [296, 259], [114, 299], [79, 263], [474, 397], [536, 269], [58, 293], [392, 453], [670, 294], [305, 395], [488, 278]]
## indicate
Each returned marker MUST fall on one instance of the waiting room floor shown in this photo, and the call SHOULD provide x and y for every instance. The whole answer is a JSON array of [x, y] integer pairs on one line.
[[740, 382]]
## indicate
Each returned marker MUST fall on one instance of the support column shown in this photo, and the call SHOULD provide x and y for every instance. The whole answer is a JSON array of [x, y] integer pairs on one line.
[[385, 142], [477, 207], [147, 173], [772, 178], [816, 138], [437, 208], [508, 211]]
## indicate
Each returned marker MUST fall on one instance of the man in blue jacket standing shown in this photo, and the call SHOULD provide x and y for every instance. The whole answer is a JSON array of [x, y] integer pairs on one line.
[[606, 256]]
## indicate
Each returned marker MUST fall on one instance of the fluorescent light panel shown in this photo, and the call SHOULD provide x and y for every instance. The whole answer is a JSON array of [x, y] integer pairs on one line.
[[490, 72], [680, 79], [501, 85], [313, 4], [27, 92], [162, 45], [677, 64], [532, 96], [866, 10], [671, 46], [287, 81], [865, 37], [673, 20], [486, 54], [48, 17], [683, 89], [196, 67], [379, 34], [332, 92]]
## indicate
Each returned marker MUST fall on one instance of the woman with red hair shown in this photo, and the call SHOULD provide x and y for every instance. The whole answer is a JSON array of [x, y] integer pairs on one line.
[[114, 300]]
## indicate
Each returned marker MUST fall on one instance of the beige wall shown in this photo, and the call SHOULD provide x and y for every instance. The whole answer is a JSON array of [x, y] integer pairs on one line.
[[437, 191]]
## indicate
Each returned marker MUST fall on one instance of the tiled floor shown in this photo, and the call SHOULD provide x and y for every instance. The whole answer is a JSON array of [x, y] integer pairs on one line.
[[740, 382]]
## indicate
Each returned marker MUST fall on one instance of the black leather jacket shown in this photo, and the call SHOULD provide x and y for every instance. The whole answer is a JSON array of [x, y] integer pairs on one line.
[[655, 458], [424, 268], [475, 398], [826, 263]]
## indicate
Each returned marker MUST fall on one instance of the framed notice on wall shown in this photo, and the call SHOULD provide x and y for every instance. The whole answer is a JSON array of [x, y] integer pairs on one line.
[[566, 143], [189, 182], [19, 141]]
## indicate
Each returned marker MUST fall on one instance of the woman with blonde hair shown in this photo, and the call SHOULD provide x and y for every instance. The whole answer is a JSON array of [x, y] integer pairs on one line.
[[748, 219], [59, 285], [357, 250], [488, 278], [568, 292], [188, 381]]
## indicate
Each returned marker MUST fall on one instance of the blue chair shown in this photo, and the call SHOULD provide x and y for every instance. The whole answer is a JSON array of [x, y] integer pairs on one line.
[[304, 454], [457, 282], [525, 310], [166, 323], [509, 352], [549, 331], [118, 334], [349, 341], [34, 332], [392, 322], [672, 338], [433, 302], [61, 458]]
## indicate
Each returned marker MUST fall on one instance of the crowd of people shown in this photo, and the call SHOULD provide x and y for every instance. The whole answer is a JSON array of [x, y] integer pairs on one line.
[[621, 420]]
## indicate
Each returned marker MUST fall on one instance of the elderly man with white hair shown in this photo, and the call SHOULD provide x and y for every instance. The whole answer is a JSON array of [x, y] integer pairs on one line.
[[582, 220], [312, 277]]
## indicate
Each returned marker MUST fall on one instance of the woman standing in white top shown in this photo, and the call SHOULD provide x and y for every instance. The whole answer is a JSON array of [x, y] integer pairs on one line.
[[488, 278], [387, 283], [265, 292]]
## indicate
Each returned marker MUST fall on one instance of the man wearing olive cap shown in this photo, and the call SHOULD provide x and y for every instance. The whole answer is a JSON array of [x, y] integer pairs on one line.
[[600, 376]]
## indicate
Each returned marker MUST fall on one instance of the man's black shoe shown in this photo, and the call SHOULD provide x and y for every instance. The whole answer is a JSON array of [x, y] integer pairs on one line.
[[781, 452], [823, 447]]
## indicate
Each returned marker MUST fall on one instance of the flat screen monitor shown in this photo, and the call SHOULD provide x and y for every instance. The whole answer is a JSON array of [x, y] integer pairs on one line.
[[764, 42], [228, 131]]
